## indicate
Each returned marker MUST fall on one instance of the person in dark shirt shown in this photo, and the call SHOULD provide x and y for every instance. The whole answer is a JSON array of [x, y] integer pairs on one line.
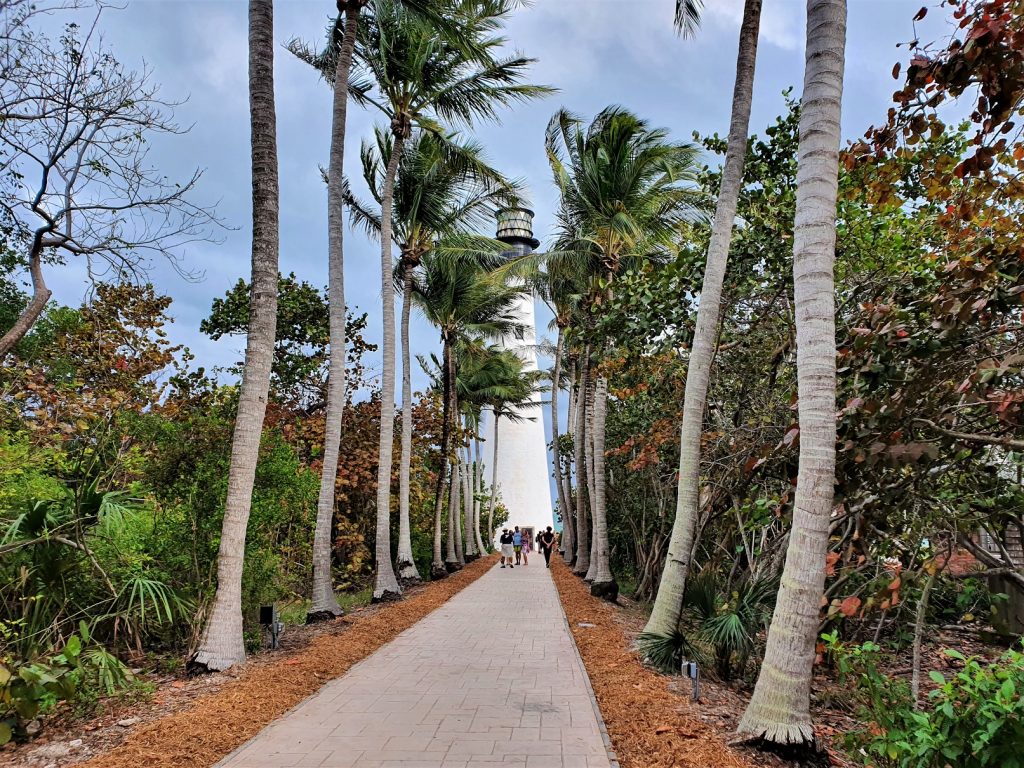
[[506, 548], [546, 542]]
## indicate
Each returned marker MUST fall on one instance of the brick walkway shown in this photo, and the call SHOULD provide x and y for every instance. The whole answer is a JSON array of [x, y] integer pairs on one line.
[[491, 678]]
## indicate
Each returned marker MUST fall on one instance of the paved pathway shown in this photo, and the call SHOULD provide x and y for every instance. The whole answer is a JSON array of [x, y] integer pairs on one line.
[[492, 678]]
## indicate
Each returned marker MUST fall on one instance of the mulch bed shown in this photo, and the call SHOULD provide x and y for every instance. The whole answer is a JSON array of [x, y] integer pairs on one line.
[[217, 723], [650, 725]]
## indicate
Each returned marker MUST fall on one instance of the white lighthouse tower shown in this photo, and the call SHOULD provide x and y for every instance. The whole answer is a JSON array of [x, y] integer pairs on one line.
[[522, 476]]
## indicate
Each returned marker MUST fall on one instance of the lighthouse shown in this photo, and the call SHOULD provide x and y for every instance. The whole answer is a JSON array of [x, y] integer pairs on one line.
[[522, 470]]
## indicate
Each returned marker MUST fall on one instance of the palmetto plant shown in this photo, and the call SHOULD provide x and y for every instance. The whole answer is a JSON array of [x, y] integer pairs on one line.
[[51, 545], [722, 627], [625, 189], [445, 190]]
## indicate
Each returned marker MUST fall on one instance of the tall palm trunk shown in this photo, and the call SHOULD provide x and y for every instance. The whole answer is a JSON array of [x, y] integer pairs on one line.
[[385, 585], [668, 604], [582, 482], [471, 552], [779, 709], [569, 525], [588, 449], [404, 564], [603, 584], [222, 643], [494, 479], [437, 569], [556, 377], [477, 482], [324, 604], [453, 560], [453, 555]]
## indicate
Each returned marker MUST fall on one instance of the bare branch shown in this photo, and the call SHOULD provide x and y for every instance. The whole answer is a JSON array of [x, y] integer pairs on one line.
[[75, 178]]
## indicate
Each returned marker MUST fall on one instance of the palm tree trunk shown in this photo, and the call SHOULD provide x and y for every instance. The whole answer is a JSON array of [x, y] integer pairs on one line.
[[454, 529], [494, 479], [471, 552], [588, 448], [556, 377], [668, 604], [779, 711], [453, 557], [222, 644], [582, 491], [437, 569], [477, 482], [324, 604], [569, 525], [603, 584], [385, 585], [404, 564]]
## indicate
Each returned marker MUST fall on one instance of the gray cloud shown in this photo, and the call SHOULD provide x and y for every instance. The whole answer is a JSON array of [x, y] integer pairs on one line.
[[597, 51]]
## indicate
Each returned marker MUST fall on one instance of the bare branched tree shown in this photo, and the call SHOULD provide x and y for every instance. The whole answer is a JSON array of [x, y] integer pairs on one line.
[[75, 133]]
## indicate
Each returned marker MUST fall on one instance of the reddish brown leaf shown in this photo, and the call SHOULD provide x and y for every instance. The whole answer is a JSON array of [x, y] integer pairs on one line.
[[830, 563], [850, 606]]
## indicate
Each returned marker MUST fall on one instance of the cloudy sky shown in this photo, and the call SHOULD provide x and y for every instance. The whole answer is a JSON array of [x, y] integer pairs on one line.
[[597, 52]]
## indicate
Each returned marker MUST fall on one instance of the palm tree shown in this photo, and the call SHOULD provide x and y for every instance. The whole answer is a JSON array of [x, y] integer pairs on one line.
[[336, 64], [779, 711], [417, 77], [222, 644], [444, 191], [584, 507], [561, 292], [484, 374], [624, 192], [324, 604], [510, 392], [668, 604], [463, 300]]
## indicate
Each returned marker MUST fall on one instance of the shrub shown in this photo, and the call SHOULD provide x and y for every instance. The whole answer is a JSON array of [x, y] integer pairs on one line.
[[976, 717], [727, 619], [31, 688]]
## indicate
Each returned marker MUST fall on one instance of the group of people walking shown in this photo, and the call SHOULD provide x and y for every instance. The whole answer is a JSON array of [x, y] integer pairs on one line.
[[519, 545]]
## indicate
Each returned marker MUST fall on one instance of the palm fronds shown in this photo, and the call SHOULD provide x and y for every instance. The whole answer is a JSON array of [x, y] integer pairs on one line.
[[666, 653]]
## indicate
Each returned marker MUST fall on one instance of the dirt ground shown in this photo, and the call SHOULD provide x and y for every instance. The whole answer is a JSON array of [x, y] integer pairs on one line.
[[194, 722], [651, 725], [652, 721]]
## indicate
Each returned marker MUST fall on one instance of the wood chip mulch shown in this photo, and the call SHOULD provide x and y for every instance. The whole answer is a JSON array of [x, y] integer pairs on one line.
[[650, 726], [218, 723]]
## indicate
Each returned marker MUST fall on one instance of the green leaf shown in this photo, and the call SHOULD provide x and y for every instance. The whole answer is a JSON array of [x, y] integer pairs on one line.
[[5, 733], [937, 677], [73, 647], [1007, 690]]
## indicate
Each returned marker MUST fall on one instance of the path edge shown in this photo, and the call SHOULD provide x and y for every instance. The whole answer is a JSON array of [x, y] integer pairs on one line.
[[608, 746]]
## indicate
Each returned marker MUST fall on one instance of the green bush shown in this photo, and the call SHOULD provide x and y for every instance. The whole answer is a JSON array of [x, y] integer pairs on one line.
[[976, 717], [31, 688]]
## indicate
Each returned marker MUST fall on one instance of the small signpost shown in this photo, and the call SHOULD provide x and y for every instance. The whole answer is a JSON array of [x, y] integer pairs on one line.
[[269, 619], [692, 671]]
